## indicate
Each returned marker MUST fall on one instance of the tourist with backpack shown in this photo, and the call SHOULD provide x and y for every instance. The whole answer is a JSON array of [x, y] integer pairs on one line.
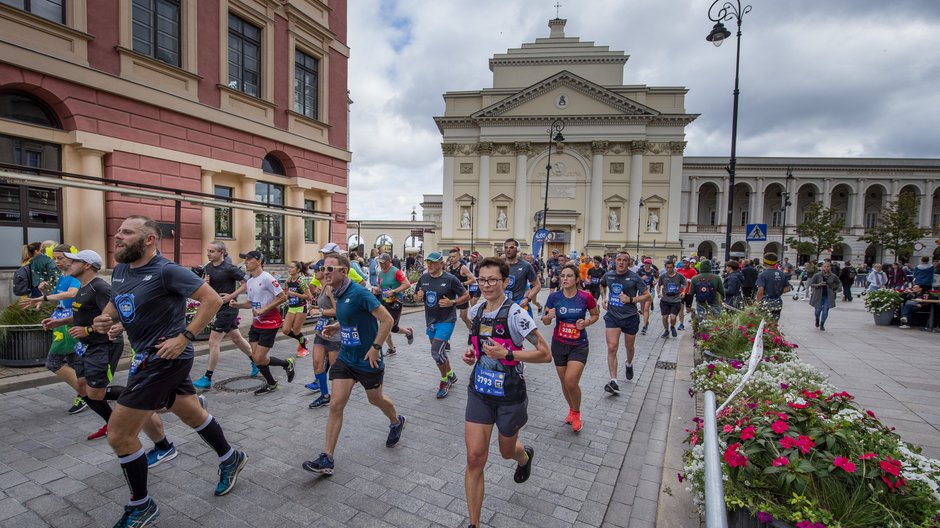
[[734, 285], [708, 291], [749, 274]]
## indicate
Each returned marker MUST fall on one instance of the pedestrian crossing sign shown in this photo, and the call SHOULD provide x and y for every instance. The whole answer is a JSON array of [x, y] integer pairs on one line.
[[756, 233]]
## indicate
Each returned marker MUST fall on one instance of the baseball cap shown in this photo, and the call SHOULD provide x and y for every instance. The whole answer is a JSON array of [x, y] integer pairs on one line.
[[434, 256], [475, 254], [87, 256], [647, 261], [331, 247], [384, 257], [257, 255]]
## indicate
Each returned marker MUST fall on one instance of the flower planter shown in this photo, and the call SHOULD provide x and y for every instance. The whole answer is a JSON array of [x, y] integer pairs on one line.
[[883, 318], [744, 519], [25, 347]]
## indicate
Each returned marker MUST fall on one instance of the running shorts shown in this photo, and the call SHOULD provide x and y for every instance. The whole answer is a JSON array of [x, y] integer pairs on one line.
[[157, 383], [508, 417], [369, 379], [629, 326], [562, 353], [263, 336], [99, 363]]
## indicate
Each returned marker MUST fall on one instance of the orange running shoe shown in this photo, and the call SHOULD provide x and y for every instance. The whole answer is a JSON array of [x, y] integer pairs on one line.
[[100, 433], [576, 424], [302, 352], [570, 416]]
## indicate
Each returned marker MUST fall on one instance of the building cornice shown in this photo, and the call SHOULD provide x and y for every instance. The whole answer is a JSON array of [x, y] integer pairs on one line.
[[622, 59], [665, 120]]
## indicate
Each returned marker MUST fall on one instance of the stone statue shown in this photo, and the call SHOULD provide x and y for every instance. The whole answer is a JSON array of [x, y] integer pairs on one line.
[[501, 219], [652, 223], [613, 223], [465, 220]]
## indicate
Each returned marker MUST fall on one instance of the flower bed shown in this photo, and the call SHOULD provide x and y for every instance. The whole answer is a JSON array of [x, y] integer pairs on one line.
[[796, 449]]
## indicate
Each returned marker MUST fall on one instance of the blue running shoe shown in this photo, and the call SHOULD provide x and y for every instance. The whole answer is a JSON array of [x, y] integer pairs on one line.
[[443, 389], [323, 465], [320, 402], [157, 456], [203, 383], [139, 516], [394, 432], [254, 370], [228, 472], [313, 387]]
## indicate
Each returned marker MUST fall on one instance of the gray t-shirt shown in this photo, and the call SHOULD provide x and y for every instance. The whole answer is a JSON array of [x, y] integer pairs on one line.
[[672, 287], [774, 283], [325, 303], [435, 289], [629, 284], [521, 274]]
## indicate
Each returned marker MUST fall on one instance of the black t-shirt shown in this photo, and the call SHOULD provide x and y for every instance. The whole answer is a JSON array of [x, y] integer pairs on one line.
[[521, 274], [595, 275], [224, 278], [151, 301], [88, 303], [436, 288]]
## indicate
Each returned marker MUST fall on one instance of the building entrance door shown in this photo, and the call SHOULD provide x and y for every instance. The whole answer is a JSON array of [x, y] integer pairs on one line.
[[269, 237]]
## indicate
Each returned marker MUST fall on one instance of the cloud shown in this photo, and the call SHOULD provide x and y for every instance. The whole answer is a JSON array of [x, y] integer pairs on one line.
[[850, 78]]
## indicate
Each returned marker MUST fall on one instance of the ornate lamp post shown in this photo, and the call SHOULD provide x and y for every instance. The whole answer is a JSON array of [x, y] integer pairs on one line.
[[785, 196], [473, 202], [718, 34], [638, 220], [554, 134]]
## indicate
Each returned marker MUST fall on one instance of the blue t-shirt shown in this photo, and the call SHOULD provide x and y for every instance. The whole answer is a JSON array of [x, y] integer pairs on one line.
[[567, 313], [151, 302], [521, 275], [358, 327], [62, 285]]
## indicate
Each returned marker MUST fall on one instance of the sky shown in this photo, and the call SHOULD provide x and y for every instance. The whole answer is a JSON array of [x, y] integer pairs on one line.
[[832, 78]]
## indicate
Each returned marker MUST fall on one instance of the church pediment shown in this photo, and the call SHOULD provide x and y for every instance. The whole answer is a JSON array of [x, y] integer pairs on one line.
[[615, 199], [501, 198], [655, 199], [565, 93]]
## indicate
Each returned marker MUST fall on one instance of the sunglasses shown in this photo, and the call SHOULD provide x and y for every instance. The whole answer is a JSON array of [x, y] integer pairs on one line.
[[331, 269], [509, 247]]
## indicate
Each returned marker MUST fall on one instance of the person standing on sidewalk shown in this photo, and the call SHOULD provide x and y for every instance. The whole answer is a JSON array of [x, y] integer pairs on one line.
[[847, 278], [877, 279], [734, 285], [392, 284], [823, 289], [749, 287], [621, 289], [441, 292], [363, 325]]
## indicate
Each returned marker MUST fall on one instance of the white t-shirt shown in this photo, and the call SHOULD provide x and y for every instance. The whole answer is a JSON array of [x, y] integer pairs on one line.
[[521, 323], [261, 291]]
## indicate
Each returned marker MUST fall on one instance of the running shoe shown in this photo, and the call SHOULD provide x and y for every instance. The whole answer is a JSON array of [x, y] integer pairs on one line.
[[313, 386], [643, 331], [323, 465], [100, 433], [391, 352], [157, 456], [681, 326], [203, 383], [203, 402], [228, 472], [254, 370], [612, 387], [452, 377], [629, 371], [139, 516], [302, 352], [523, 472], [78, 405], [410, 336], [299, 347], [665, 334], [289, 369], [576, 424], [266, 389], [674, 333], [443, 390], [570, 416], [394, 432], [321, 401]]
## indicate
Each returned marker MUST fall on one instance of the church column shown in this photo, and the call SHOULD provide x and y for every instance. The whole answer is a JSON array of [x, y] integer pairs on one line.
[[636, 188], [895, 184], [92, 231], [858, 209], [692, 220], [294, 226], [926, 204], [521, 210], [596, 193], [827, 193], [675, 191], [447, 202], [482, 218], [208, 213], [245, 220], [758, 204]]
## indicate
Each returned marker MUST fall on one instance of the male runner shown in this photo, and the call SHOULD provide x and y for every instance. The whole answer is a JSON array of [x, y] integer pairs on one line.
[[224, 277], [363, 324], [497, 391], [649, 274], [440, 292], [626, 289], [523, 286], [392, 284], [149, 297], [460, 270], [671, 286], [595, 273], [688, 271], [474, 267], [265, 295], [554, 267], [771, 285]]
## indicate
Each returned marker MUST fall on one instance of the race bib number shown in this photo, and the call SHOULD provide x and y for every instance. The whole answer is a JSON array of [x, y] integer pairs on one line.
[[568, 330], [61, 313], [349, 335], [489, 382], [80, 348], [474, 288], [321, 324], [255, 306], [615, 291], [595, 280], [672, 289], [388, 296]]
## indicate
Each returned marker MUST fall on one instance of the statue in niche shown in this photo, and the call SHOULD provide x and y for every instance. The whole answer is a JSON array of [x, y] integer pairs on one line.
[[465, 220], [501, 219], [613, 223], [652, 222]]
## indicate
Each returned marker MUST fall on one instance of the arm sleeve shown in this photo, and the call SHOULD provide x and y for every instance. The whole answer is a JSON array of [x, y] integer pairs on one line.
[[180, 280]]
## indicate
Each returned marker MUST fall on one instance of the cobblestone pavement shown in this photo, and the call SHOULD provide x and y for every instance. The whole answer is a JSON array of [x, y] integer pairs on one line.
[[608, 475]]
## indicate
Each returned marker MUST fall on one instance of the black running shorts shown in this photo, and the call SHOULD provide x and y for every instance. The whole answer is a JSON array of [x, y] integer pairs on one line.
[[99, 363], [562, 353], [508, 417], [668, 308], [225, 320], [157, 383], [263, 336], [369, 379]]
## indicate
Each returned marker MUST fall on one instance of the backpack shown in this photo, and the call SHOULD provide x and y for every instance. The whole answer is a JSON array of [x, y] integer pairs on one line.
[[705, 291], [23, 280]]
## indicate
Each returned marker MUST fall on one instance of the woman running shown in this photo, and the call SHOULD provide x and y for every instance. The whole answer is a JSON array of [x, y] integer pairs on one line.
[[574, 311], [298, 293], [323, 345]]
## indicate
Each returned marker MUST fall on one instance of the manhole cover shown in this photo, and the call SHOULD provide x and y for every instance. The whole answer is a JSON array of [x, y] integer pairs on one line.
[[240, 384], [666, 365]]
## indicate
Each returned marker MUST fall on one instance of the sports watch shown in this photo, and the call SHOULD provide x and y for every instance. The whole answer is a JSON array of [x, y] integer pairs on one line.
[[377, 346], [509, 356], [189, 335]]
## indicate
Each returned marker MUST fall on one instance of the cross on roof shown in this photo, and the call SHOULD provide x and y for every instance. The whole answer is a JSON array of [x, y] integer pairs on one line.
[[557, 7]]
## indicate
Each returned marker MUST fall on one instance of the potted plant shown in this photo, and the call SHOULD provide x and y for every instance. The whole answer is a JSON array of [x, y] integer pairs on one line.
[[23, 343], [883, 305]]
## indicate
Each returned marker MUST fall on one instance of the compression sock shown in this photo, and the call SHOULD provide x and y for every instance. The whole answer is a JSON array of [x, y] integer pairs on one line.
[[276, 362], [113, 392], [209, 374], [211, 432], [100, 407], [266, 372], [135, 473], [323, 383], [162, 445]]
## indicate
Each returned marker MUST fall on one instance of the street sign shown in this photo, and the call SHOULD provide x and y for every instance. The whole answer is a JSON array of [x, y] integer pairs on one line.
[[756, 233]]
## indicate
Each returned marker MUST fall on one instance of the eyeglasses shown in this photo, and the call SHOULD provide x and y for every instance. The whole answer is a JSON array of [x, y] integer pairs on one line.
[[331, 269], [489, 282], [509, 247]]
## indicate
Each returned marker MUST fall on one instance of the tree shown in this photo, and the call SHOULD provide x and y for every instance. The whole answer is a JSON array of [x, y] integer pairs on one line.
[[819, 231], [897, 229]]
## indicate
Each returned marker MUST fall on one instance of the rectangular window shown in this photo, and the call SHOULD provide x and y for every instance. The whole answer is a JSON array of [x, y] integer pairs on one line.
[[223, 215], [310, 225], [711, 218], [306, 70], [775, 218], [744, 218], [244, 56], [269, 228], [53, 10], [870, 220], [28, 213], [156, 29]]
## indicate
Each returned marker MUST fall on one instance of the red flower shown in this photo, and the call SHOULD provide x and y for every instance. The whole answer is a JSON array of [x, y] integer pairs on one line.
[[733, 458], [728, 428], [788, 442], [779, 426], [812, 395], [781, 461], [805, 443], [844, 463], [867, 456], [747, 433], [869, 413], [797, 405], [891, 466]]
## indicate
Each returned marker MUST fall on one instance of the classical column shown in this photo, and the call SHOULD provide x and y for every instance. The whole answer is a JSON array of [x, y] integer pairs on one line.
[[895, 184], [637, 149], [521, 209], [89, 214], [208, 213], [827, 193], [692, 220], [482, 217], [294, 226], [858, 205], [721, 208], [758, 207], [926, 204], [674, 205], [596, 193], [245, 220], [447, 203], [791, 218]]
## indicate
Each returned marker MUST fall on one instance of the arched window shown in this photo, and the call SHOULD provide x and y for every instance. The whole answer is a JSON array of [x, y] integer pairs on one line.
[[272, 165], [25, 108]]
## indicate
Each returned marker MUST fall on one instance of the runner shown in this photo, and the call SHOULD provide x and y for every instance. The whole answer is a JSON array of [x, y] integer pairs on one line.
[[440, 292], [224, 277], [298, 293], [264, 297], [460, 270], [648, 273], [392, 284], [474, 289], [574, 311], [554, 267], [522, 277], [325, 347], [497, 391], [708, 291], [626, 289], [688, 271], [594, 276], [363, 324], [671, 285], [149, 298], [771, 285]]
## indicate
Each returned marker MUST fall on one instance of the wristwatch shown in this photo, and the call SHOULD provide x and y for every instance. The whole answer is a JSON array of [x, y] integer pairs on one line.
[[189, 335], [377, 346], [509, 356]]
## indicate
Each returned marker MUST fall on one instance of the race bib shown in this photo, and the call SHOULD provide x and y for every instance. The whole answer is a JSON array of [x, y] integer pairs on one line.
[[321, 324], [672, 289], [568, 330], [388, 296], [615, 291], [474, 288], [80, 348], [137, 362], [61, 313], [349, 335], [595, 280], [489, 382]]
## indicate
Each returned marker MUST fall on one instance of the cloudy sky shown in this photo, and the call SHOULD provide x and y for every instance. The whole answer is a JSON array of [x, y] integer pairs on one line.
[[853, 78]]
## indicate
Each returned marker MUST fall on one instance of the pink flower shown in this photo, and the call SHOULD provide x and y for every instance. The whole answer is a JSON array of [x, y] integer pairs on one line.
[[869, 413], [783, 416], [784, 386], [733, 458], [781, 461], [867, 456], [797, 405], [788, 442], [747, 433], [728, 428], [891, 466], [779, 426], [765, 517], [844, 463], [805, 443]]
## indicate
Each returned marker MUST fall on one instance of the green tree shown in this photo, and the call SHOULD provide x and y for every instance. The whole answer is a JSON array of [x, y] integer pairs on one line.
[[819, 231], [897, 228]]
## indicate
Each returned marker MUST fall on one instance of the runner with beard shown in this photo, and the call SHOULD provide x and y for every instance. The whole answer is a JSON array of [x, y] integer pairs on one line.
[[626, 288], [523, 285], [460, 270], [440, 292], [148, 300]]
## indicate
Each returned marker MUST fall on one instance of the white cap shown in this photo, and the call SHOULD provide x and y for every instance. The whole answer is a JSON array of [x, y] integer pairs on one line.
[[331, 247], [87, 256]]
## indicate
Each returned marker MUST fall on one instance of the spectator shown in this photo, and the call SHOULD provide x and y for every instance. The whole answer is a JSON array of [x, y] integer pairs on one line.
[[847, 278], [734, 284], [911, 304], [708, 291], [896, 277], [823, 289], [923, 274], [749, 280], [877, 278]]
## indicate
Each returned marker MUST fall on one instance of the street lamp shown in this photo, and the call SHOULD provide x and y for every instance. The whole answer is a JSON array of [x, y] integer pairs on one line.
[[554, 134], [473, 202], [785, 196], [638, 220], [718, 34]]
